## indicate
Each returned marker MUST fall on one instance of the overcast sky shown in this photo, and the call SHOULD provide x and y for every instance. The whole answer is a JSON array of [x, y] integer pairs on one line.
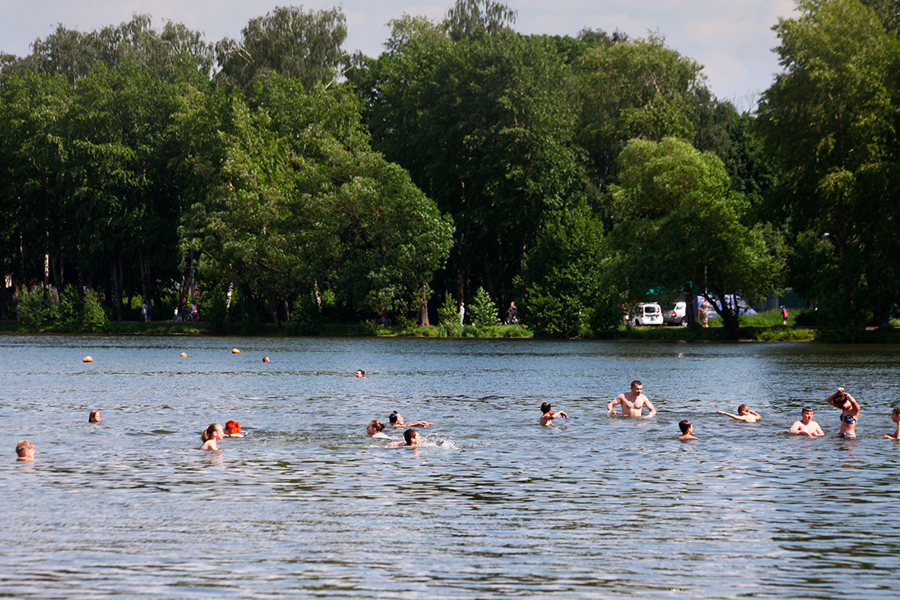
[[732, 39]]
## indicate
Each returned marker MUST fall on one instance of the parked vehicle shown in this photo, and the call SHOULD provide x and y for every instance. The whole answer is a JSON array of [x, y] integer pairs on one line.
[[648, 313], [676, 314]]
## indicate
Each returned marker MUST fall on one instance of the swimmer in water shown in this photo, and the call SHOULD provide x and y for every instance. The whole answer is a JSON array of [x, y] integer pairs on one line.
[[548, 415], [687, 430], [360, 374], [806, 425], [94, 417], [210, 436], [24, 450], [632, 402], [744, 414], [375, 429], [233, 429], [895, 417], [849, 412], [411, 437], [396, 420]]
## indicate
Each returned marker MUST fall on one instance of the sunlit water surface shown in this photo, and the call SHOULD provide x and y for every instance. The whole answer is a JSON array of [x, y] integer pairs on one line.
[[491, 506]]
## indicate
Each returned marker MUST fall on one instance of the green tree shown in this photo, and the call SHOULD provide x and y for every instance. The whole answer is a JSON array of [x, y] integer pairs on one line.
[[564, 272], [484, 127], [682, 224], [468, 18], [304, 45], [633, 89], [830, 122], [484, 311]]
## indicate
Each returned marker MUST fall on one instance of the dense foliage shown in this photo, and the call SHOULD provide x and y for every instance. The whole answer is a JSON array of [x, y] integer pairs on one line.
[[292, 181]]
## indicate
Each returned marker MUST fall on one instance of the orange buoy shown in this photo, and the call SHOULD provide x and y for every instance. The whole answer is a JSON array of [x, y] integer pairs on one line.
[[265, 359], [235, 351], [87, 359], [184, 355]]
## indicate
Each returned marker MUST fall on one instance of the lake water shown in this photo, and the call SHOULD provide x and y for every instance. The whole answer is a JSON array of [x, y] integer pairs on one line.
[[491, 506]]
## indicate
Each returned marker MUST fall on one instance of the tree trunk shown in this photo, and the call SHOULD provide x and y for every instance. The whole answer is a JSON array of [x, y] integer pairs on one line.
[[118, 283], [144, 263], [273, 308], [690, 311], [228, 296]]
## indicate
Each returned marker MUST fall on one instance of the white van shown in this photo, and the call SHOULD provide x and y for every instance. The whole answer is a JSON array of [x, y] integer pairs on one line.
[[648, 313]]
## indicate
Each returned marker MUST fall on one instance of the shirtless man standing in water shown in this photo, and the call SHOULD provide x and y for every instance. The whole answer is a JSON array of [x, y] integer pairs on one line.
[[633, 403]]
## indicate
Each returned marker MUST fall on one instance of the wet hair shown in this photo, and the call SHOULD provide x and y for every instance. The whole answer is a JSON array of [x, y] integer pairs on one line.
[[209, 431], [806, 409], [377, 425], [232, 427], [23, 447], [742, 408], [545, 407], [636, 382], [94, 417], [393, 417], [408, 436], [896, 410], [684, 426]]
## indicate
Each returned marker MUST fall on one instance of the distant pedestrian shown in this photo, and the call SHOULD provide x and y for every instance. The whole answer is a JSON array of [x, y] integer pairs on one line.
[[175, 320], [704, 313], [784, 315], [462, 313], [144, 312]]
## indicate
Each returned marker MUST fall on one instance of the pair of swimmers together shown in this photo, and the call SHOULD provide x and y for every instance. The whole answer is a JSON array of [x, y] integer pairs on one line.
[[411, 437], [215, 432]]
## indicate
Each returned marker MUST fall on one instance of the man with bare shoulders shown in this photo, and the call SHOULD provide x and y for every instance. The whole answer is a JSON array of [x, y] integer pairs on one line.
[[633, 403], [547, 415], [806, 425]]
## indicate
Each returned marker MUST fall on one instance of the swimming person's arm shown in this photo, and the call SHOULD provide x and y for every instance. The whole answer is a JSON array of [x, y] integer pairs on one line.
[[419, 424], [611, 407], [728, 414], [652, 409]]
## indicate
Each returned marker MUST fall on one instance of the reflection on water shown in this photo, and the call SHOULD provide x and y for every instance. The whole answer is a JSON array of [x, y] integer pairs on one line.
[[491, 505]]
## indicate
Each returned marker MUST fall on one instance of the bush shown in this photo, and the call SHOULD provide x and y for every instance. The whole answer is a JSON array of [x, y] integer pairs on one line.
[[448, 317], [306, 318], [484, 311], [806, 318], [552, 316], [35, 308]]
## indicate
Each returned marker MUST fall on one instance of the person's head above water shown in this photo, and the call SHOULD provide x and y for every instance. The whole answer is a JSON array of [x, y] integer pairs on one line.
[[412, 437], [895, 414], [396, 418], [360, 374], [214, 431], [684, 426], [232, 427], [806, 414], [545, 407], [94, 417], [742, 409], [25, 450], [637, 387], [374, 427]]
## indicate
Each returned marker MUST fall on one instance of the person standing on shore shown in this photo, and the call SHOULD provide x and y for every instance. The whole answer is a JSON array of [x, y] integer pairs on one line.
[[849, 412], [462, 313], [633, 403]]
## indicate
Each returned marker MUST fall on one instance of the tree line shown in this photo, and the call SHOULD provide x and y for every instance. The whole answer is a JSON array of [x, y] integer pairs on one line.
[[289, 179]]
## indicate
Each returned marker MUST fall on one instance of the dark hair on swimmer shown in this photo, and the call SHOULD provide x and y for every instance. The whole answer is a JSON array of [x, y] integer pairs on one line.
[[545, 407], [408, 436], [393, 417], [94, 417], [684, 426], [636, 382], [742, 408], [378, 425], [806, 409]]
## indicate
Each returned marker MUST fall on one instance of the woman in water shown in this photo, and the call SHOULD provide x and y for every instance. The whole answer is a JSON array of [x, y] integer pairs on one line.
[[375, 429], [849, 412], [210, 436], [233, 429], [895, 417]]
